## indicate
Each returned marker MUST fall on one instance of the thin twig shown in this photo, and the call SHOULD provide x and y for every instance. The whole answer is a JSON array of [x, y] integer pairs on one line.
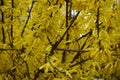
[[27, 70], [98, 24], [49, 40], [67, 13], [3, 34], [29, 15], [11, 33], [90, 32], [115, 54], [97, 20], [80, 62], [9, 49], [60, 71], [11, 39], [62, 49], [2, 20], [78, 54]]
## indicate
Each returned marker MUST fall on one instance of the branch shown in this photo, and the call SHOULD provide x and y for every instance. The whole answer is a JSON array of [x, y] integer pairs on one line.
[[67, 34], [29, 14], [2, 2], [68, 28], [54, 46], [38, 73], [2, 15]]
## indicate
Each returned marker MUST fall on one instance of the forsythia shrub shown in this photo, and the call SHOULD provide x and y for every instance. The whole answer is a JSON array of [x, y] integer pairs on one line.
[[59, 40]]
